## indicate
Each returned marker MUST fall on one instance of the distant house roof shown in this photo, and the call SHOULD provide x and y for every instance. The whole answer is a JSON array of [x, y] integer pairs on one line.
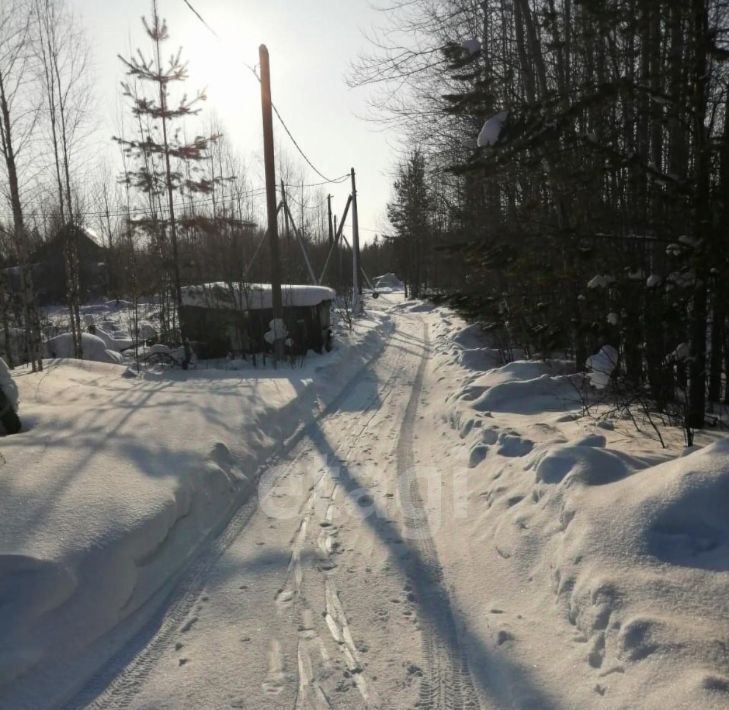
[[87, 241], [253, 297]]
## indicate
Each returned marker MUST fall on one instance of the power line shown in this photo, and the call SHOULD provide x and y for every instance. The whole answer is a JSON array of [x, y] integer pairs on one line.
[[273, 105], [319, 184], [144, 210], [201, 18]]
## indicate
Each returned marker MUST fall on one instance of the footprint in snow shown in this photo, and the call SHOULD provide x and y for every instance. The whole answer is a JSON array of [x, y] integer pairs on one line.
[[189, 625], [326, 565], [284, 596], [503, 636]]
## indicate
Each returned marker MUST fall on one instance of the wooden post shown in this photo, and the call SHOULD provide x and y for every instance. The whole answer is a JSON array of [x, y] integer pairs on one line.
[[270, 167], [356, 281], [332, 228], [337, 235], [300, 239]]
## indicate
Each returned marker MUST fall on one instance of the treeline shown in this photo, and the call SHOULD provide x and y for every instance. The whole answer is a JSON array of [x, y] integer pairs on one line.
[[167, 199], [596, 208]]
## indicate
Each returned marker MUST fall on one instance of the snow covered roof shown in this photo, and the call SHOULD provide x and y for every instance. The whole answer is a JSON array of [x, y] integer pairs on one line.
[[253, 297], [93, 236]]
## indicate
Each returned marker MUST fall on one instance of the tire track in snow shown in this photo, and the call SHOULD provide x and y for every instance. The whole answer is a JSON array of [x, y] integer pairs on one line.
[[447, 684], [123, 674], [310, 695]]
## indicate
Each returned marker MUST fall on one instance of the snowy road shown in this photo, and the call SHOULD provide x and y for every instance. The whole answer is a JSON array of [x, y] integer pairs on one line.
[[326, 592]]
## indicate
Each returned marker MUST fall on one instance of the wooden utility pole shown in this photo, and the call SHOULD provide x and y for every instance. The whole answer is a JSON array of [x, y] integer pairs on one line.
[[268, 158], [337, 257], [356, 281], [287, 229], [331, 228]]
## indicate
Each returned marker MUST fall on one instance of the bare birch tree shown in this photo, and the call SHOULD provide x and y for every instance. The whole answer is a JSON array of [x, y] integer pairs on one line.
[[18, 118], [63, 60]]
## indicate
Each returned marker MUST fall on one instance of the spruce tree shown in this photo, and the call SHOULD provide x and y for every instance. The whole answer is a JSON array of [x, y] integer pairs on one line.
[[410, 214], [162, 154]]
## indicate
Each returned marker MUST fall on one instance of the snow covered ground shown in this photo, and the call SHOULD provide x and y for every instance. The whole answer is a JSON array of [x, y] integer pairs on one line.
[[590, 564], [120, 479], [449, 532]]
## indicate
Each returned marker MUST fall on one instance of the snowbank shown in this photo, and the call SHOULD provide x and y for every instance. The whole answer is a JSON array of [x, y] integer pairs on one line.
[[591, 564], [93, 348], [388, 281], [522, 393], [120, 480]]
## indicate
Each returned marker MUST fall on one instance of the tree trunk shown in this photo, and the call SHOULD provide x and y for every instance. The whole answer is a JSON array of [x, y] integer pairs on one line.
[[30, 310], [702, 223]]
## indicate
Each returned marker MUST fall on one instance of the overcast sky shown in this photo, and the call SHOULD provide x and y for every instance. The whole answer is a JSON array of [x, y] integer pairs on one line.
[[311, 43]]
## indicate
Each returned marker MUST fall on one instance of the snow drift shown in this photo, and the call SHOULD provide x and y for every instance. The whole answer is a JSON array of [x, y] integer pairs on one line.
[[592, 562]]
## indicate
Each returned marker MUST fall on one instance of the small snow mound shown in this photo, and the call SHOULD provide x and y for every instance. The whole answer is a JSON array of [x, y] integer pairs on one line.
[[522, 371], [514, 446], [113, 342], [470, 337], [542, 394], [115, 356], [479, 359], [585, 465], [477, 454], [596, 440], [93, 348]]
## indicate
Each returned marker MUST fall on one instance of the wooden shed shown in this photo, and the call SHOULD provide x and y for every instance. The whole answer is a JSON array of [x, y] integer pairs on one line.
[[222, 318]]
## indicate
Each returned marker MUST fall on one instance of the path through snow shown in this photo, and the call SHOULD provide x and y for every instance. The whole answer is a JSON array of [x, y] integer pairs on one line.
[[331, 596]]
